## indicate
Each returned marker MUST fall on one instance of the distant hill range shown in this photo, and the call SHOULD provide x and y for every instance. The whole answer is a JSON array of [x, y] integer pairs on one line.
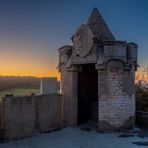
[[8, 82]]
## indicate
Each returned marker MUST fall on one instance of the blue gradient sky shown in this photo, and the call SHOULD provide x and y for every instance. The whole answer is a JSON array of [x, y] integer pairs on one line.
[[31, 31]]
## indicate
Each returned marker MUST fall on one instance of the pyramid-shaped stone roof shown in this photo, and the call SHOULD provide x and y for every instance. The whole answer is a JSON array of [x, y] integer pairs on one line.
[[99, 27]]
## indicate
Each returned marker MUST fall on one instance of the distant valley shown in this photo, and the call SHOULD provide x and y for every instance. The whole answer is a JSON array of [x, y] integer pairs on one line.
[[11, 82], [19, 86]]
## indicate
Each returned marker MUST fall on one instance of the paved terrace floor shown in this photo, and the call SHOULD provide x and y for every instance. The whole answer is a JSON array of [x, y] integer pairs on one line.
[[77, 138]]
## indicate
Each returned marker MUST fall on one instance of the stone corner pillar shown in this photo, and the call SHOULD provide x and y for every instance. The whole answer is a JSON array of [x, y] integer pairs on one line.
[[69, 78]]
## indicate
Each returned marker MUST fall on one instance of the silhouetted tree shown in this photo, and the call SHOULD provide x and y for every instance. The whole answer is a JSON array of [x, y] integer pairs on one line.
[[142, 89]]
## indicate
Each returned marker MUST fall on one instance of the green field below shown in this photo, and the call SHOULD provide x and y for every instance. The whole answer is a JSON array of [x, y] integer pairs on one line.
[[19, 92]]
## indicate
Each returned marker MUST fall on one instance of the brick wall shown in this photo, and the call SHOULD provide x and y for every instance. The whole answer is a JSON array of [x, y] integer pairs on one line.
[[116, 100]]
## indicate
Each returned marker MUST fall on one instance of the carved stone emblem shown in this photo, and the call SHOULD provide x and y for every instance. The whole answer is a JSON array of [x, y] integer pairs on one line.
[[83, 40]]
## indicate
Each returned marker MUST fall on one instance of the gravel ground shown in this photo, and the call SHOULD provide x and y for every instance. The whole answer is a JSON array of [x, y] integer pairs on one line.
[[77, 138]]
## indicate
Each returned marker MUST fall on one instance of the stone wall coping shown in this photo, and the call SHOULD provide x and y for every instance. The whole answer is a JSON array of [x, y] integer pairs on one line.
[[133, 44], [115, 42], [29, 96]]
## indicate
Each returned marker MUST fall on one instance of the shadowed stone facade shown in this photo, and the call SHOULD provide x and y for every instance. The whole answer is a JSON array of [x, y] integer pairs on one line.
[[98, 77]]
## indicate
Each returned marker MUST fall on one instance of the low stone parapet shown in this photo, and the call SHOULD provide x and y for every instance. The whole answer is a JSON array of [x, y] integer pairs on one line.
[[29, 115]]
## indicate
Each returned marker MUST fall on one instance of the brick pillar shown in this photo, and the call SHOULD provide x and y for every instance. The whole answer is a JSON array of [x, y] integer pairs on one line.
[[116, 91]]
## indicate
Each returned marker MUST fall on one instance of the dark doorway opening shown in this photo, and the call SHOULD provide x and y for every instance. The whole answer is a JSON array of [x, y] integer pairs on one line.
[[87, 94]]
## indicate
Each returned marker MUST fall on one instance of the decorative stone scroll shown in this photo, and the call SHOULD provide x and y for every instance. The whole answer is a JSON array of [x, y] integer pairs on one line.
[[83, 40]]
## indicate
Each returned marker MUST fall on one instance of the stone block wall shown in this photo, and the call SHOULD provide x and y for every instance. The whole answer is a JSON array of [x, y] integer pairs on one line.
[[116, 99], [49, 112], [19, 117], [28, 116]]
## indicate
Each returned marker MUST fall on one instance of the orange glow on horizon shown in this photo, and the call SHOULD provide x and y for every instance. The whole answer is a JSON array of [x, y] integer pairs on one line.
[[32, 74], [24, 65]]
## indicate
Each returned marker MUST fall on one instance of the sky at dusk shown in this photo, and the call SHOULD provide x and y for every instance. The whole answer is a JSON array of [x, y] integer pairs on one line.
[[31, 31]]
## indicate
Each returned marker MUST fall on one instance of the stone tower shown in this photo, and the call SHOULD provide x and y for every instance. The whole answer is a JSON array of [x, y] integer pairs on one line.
[[98, 77]]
